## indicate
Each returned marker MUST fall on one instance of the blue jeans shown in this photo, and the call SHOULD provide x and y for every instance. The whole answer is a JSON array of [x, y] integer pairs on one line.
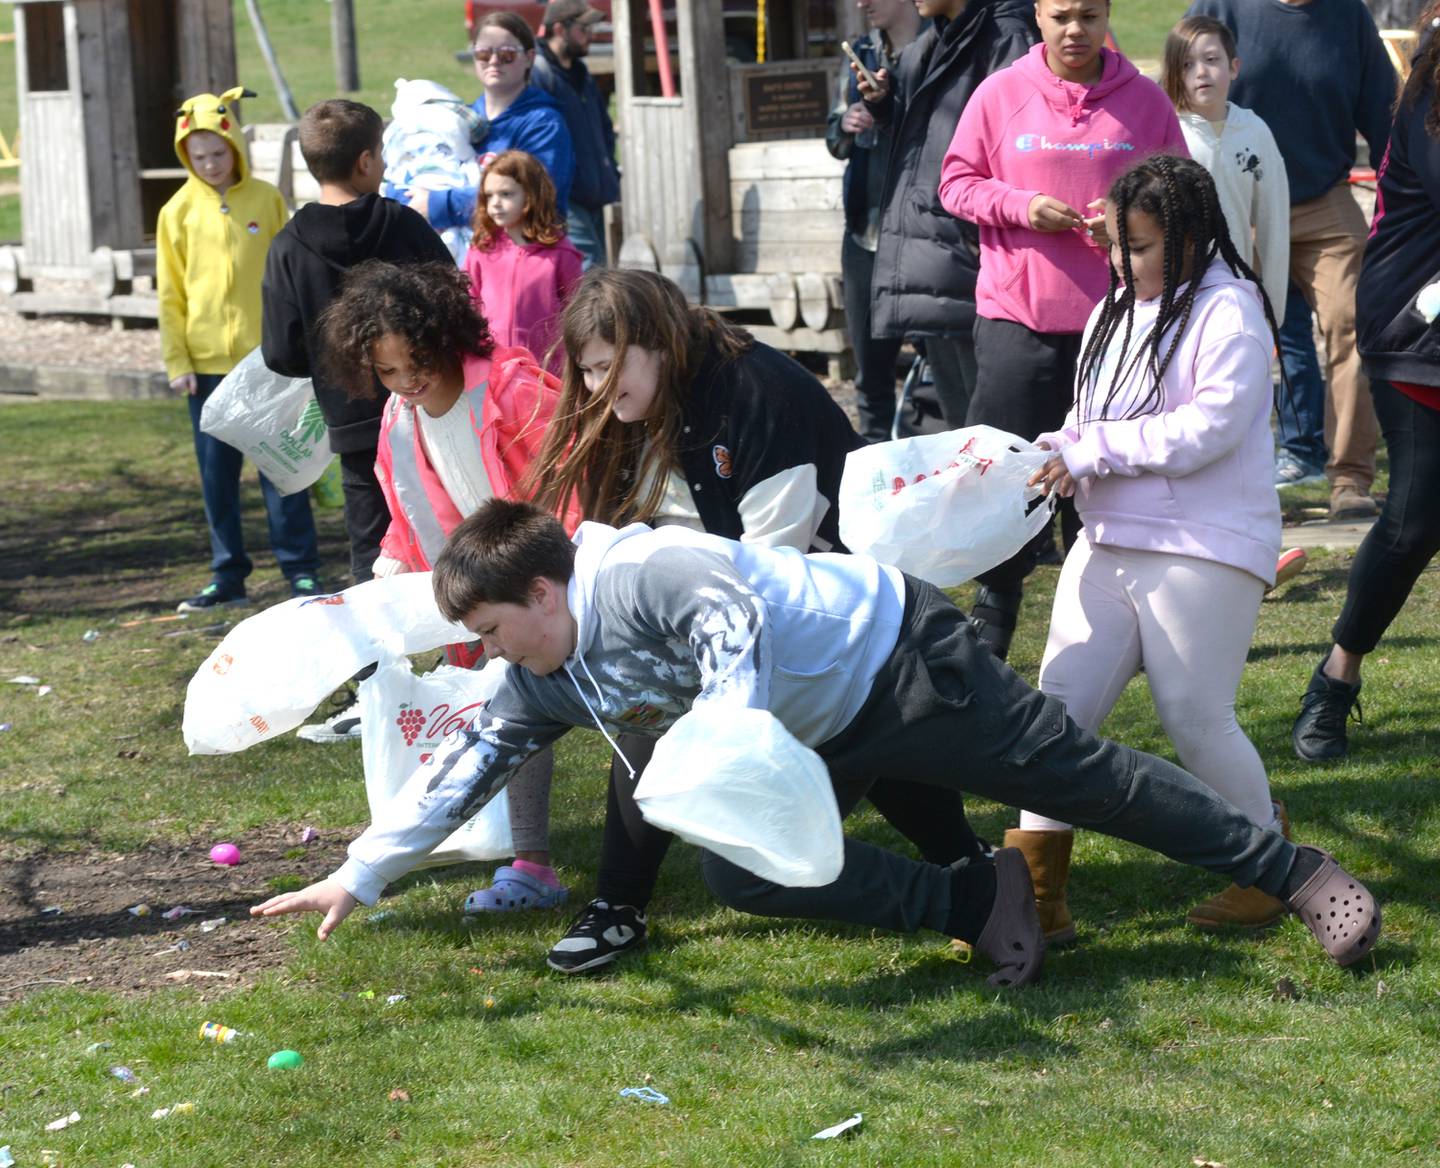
[[292, 527], [1301, 428], [586, 226]]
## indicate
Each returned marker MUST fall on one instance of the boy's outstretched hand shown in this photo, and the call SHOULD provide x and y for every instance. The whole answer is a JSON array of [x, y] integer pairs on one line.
[[324, 896]]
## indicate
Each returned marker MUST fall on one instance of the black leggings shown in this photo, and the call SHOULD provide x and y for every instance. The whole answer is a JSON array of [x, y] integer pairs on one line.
[[632, 850], [1407, 535]]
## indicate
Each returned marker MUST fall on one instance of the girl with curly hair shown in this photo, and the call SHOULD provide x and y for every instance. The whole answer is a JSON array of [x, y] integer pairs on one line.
[[671, 415], [1167, 452], [463, 422], [522, 268]]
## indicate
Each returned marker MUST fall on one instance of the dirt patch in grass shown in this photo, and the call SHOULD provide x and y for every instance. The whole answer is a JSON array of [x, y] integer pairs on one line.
[[97, 943]]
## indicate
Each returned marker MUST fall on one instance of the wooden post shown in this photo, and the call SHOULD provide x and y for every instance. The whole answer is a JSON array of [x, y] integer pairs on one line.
[[267, 50], [705, 86], [342, 35]]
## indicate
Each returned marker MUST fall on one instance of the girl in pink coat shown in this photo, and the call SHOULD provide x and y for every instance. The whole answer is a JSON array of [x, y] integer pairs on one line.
[[1168, 453], [1035, 150], [463, 422], [522, 268]]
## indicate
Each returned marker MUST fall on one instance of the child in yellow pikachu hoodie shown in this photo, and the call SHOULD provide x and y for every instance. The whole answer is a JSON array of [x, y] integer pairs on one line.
[[211, 243]]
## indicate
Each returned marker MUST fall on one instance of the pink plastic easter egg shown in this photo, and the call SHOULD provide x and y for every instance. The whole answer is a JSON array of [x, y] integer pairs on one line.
[[225, 854]]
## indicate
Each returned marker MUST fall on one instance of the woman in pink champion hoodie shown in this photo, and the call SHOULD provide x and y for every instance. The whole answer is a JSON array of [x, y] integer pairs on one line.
[[1035, 150], [1167, 452]]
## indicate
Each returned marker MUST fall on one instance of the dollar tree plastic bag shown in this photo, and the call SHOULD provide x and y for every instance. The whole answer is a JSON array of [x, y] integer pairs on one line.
[[272, 669], [943, 507], [736, 782], [272, 420], [403, 718]]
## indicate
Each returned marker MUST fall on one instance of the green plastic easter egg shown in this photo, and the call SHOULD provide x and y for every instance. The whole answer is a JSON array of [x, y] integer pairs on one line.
[[285, 1060]]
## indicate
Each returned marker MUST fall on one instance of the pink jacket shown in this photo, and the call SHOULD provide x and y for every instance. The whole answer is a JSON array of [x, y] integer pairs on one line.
[[521, 291], [511, 400], [1197, 477], [1024, 133]]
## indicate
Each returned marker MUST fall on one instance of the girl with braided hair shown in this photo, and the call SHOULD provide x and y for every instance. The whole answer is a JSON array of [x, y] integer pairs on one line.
[[1167, 452]]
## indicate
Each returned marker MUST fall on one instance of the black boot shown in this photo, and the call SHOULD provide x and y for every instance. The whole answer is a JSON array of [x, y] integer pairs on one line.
[[994, 615], [1319, 733]]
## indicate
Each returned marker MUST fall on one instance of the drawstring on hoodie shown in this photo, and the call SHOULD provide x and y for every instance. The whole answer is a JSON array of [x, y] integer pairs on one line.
[[599, 725]]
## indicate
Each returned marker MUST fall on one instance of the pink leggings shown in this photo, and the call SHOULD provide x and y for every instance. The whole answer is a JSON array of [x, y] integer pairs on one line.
[[1189, 623]]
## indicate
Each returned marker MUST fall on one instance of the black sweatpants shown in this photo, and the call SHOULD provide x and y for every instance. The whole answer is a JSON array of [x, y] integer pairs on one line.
[[875, 357], [944, 710], [366, 515]]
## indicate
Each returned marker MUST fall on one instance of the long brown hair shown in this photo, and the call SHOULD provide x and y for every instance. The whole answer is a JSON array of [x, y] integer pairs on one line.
[[619, 469], [541, 223], [1425, 70], [1177, 46]]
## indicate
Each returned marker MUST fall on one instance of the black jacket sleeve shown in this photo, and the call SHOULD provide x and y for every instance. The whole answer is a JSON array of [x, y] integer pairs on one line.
[[282, 326]]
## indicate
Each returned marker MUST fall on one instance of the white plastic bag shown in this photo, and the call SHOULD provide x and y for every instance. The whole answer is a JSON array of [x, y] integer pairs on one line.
[[403, 718], [736, 782], [272, 420], [943, 507], [272, 669]]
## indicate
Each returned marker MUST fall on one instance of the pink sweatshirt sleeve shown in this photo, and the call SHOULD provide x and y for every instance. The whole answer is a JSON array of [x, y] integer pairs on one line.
[[968, 187], [1232, 385], [472, 270]]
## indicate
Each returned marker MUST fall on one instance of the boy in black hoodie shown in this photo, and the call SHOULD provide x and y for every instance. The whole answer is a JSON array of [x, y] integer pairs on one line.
[[308, 261]]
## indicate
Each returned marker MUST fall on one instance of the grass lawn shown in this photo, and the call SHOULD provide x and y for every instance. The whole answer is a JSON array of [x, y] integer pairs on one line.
[[1147, 1043]]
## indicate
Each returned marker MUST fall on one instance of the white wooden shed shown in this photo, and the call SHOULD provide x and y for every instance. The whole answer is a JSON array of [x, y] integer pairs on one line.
[[99, 82], [727, 186]]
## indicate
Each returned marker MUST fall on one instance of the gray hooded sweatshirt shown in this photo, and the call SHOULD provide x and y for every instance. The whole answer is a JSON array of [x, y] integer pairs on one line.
[[665, 619]]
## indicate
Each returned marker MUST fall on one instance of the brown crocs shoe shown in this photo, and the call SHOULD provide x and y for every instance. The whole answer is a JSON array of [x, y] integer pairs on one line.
[[1011, 937], [1338, 909]]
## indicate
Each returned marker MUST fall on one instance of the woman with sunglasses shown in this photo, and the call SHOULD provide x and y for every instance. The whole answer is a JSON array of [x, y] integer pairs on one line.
[[515, 116]]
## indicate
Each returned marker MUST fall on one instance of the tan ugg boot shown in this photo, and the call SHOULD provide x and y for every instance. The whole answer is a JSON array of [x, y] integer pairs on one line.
[[1241, 908], [1047, 855]]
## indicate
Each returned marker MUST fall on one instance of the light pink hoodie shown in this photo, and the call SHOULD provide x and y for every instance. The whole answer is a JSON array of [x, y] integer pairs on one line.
[[1196, 478], [1025, 132]]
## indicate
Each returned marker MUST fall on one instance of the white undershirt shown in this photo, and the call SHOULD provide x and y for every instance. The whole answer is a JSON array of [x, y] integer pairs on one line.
[[450, 443]]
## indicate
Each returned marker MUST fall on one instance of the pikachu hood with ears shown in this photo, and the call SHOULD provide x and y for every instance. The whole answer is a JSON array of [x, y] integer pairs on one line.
[[210, 250], [220, 115]]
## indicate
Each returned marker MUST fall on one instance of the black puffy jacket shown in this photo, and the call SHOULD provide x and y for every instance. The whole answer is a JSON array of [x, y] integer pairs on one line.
[[1403, 255], [926, 260]]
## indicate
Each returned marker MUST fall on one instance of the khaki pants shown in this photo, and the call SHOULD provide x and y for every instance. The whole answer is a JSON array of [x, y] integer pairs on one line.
[[1327, 239]]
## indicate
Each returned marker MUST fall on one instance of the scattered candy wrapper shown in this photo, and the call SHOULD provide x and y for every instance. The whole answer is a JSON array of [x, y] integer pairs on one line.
[[211, 925], [139, 910], [308, 835], [648, 1094], [176, 1109], [139, 1091], [91, 636], [5, 726], [192, 974], [97, 1047], [63, 1122], [24, 679], [125, 1074], [399, 1095], [178, 947], [180, 910], [43, 690], [377, 917], [51, 910], [366, 994], [6, 1159], [394, 998], [846, 1128]]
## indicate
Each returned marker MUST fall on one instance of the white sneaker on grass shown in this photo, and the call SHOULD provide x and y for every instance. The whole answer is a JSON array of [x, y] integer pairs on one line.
[[341, 727]]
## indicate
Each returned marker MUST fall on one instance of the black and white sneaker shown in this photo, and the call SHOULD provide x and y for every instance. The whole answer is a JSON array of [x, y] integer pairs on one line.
[[600, 934]]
